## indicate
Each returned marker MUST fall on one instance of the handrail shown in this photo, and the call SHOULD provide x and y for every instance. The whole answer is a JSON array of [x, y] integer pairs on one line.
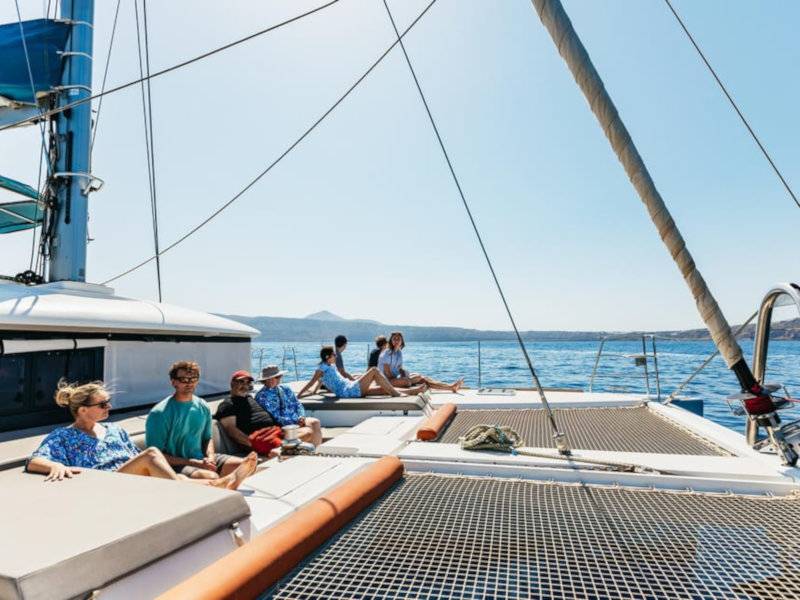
[[627, 336]]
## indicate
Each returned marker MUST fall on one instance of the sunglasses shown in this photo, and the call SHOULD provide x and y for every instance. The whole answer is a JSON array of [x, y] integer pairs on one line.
[[187, 379], [104, 404]]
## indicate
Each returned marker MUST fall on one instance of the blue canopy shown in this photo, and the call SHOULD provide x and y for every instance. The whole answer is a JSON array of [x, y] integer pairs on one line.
[[23, 214], [44, 38]]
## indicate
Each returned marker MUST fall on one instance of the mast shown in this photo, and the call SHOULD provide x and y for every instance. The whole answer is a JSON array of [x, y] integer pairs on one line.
[[73, 137], [569, 46]]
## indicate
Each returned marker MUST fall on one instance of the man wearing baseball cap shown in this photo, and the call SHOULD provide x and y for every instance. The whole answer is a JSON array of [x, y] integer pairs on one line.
[[239, 414], [282, 403]]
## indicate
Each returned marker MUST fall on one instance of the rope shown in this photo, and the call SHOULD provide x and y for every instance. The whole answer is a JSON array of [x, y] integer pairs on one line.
[[561, 440], [501, 438], [103, 85], [572, 50], [734, 105], [291, 147], [175, 67], [147, 115], [41, 130]]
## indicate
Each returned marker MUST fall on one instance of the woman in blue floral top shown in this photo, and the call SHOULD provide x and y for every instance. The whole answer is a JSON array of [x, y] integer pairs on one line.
[[344, 388], [86, 444]]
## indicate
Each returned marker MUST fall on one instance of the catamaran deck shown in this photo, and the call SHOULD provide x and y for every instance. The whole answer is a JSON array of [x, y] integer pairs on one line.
[[434, 536], [623, 429]]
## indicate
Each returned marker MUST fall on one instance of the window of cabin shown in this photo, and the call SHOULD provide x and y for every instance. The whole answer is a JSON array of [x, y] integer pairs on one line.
[[28, 383]]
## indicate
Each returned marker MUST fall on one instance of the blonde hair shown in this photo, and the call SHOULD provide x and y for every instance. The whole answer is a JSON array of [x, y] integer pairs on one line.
[[74, 396]]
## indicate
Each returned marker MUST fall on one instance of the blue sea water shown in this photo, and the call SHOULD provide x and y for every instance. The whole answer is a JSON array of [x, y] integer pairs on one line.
[[563, 364]]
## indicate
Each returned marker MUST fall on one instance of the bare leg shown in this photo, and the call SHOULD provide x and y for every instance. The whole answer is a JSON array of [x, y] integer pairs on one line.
[[150, 463], [373, 375], [437, 385], [232, 481], [312, 431], [230, 465]]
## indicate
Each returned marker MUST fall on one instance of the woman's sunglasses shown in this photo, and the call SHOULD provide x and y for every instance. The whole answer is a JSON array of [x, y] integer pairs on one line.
[[187, 379], [104, 404]]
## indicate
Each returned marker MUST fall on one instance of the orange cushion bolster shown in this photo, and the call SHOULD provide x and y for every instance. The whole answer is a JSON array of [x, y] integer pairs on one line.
[[432, 427], [248, 571]]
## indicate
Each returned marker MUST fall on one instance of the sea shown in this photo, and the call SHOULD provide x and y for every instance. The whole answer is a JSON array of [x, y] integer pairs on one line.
[[565, 364]]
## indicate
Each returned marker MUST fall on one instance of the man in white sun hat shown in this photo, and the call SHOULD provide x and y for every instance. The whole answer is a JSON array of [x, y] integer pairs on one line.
[[282, 403]]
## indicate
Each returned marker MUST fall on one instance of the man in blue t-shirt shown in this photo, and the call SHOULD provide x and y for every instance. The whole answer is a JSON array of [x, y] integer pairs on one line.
[[180, 426], [282, 403]]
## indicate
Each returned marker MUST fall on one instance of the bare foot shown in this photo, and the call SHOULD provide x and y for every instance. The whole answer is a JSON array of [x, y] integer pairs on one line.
[[413, 391], [457, 385], [242, 472]]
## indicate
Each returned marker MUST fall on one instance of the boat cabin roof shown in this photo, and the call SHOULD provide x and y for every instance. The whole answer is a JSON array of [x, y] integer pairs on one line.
[[68, 306]]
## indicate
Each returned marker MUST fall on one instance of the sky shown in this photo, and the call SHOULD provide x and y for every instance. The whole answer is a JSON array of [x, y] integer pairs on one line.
[[363, 218]]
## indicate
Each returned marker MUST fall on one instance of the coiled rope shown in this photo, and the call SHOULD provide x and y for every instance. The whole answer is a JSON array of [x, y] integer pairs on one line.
[[502, 438]]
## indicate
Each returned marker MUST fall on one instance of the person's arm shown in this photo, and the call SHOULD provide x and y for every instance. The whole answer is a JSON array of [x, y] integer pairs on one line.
[[236, 434], [312, 381], [387, 371], [55, 471]]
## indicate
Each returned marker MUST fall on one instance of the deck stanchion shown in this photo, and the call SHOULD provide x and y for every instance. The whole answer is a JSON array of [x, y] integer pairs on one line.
[[294, 357], [479, 365]]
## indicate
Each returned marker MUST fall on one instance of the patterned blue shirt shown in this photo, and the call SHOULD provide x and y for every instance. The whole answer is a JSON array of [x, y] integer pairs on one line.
[[281, 403], [74, 448]]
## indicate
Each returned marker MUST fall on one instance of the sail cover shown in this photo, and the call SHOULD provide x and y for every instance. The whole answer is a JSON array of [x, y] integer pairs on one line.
[[44, 38], [22, 214]]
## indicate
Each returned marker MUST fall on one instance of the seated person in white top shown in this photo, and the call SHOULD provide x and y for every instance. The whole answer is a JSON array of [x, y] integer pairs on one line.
[[390, 364]]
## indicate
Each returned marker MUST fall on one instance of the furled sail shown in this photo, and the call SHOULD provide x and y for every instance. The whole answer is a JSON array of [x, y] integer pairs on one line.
[[44, 39], [569, 46], [21, 214]]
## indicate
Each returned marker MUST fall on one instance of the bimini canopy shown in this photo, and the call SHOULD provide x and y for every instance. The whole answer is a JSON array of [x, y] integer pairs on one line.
[[22, 214], [44, 39]]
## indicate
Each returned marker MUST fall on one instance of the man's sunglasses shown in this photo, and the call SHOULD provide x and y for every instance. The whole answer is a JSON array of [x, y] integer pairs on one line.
[[104, 404], [187, 379]]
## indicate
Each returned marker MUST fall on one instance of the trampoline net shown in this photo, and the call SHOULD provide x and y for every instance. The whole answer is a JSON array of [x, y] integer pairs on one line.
[[622, 429], [437, 536]]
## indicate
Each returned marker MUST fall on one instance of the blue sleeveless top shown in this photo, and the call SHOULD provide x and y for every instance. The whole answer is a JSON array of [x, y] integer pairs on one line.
[[333, 380]]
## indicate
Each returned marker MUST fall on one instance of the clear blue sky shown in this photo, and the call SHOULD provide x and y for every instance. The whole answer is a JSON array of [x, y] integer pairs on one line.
[[363, 219]]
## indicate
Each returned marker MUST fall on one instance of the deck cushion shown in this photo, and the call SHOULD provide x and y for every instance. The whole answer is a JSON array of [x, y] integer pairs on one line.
[[404, 403], [66, 538]]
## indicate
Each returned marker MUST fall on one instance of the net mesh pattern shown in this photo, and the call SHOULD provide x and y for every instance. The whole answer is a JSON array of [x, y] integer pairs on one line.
[[622, 429], [435, 536]]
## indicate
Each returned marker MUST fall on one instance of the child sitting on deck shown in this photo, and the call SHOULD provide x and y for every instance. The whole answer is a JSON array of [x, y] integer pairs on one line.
[[328, 374], [88, 445]]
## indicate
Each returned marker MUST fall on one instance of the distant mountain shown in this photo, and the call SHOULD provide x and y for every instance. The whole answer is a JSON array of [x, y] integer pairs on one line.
[[316, 328], [325, 315]]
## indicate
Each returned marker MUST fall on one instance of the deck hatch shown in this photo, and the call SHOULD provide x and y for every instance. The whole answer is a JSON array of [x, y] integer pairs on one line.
[[621, 429], [437, 536]]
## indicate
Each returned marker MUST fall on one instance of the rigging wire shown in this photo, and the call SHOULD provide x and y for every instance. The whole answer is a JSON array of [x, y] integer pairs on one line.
[[103, 85], [174, 67], [147, 114], [559, 436], [734, 105], [291, 147], [43, 147]]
